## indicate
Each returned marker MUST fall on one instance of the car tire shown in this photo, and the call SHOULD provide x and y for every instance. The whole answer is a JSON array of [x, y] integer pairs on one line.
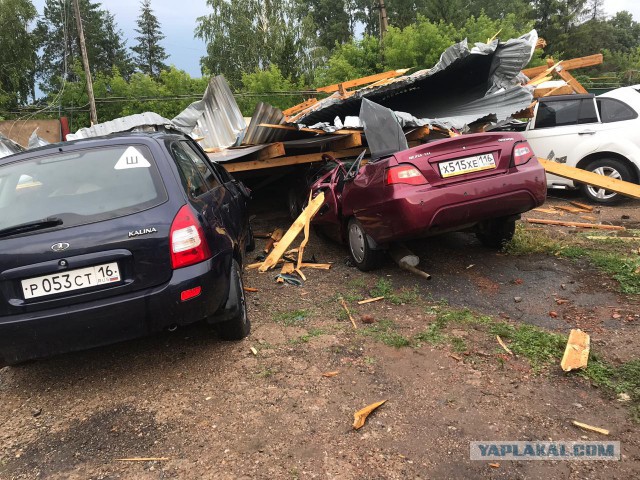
[[294, 204], [251, 240], [610, 167], [363, 255], [239, 326], [496, 232]]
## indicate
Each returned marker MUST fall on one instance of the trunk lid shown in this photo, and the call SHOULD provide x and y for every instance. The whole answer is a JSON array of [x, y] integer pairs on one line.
[[462, 158]]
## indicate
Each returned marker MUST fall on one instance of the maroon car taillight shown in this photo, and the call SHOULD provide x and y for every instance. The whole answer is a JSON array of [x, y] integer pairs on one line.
[[522, 153], [405, 173], [188, 243]]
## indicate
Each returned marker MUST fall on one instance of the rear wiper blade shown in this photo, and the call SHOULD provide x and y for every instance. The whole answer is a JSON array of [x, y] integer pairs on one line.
[[30, 226]]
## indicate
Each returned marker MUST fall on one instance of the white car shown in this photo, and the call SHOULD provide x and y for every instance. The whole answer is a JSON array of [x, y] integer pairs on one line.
[[599, 134]]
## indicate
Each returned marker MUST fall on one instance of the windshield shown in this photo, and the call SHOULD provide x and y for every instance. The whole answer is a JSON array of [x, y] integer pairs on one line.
[[80, 187]]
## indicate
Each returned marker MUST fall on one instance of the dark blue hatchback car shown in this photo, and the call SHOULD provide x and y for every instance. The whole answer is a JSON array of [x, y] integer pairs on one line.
[[113, 238]]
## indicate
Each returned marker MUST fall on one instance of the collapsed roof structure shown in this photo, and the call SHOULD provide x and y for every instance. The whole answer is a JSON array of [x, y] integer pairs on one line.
[[468, 89]]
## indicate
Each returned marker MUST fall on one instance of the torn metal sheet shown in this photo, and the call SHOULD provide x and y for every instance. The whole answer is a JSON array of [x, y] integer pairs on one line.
[[500, 106], [217, 117], [264, 113], [8, 146], [463, 75], [235, 153], [35, 141], [123, 124], [382, 129]]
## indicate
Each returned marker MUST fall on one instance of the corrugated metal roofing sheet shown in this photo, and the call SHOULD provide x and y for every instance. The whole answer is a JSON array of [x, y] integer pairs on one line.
[[264, 113], [461, 76], [216, 117], [123, 124]]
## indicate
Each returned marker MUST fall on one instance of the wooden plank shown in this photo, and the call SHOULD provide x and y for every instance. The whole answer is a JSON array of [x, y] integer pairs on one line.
[[613, 184], [299, 107], [287, 161], [302, 246], [546, 92], [576, 353], [272, 150], [571, 80], [543, 75], [583, 206], [293, 232], [572, 64], [346, 309], [370, 300], [275, 237], [560, 223], [418, 133], [362, 81], [571, 209], [351, 141], [550, 211], [590, 428]]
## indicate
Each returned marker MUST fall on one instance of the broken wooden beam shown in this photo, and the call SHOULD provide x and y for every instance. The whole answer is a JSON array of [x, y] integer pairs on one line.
[[299, 107], [573, 64], [293, 232], [582, 176], [590, 428], [361, 81], [233, 167], [571, 80], [370, 300], [560, 223]]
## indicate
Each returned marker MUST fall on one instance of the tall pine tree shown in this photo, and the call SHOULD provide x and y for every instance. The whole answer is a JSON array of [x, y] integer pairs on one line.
[[150, 55], [58, 36]]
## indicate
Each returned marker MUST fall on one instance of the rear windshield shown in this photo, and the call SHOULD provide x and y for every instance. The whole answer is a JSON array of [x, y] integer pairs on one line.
[[80, 187]]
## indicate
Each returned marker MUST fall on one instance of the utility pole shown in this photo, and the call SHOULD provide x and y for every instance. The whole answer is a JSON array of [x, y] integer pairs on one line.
[[93, 114], [384, 23]]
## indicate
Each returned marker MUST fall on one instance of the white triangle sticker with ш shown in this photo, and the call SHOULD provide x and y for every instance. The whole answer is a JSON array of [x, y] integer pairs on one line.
[[131, 158]]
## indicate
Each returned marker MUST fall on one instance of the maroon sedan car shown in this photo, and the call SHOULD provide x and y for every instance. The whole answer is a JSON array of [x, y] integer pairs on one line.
[[480, 182]]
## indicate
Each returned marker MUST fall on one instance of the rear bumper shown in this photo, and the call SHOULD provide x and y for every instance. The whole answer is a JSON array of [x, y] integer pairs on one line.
[[106, 321], [415, 212]]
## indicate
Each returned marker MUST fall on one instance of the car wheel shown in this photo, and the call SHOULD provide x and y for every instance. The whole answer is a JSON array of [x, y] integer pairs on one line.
[[251, 240], [295, 207], [496, 232], [238, 327], [363, 256], [609, 167]]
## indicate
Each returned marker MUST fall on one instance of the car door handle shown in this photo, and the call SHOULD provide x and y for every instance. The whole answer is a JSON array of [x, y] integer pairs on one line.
[[587, 132]]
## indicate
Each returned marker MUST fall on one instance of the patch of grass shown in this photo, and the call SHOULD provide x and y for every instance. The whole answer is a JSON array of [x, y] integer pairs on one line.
[[384, 288], [432, 335], [266, 372], [290, 318], [621, 267], [623, 378], [357, 283], [311, 333], [385, 331], [539, 346], [370, 360], [458, 344]]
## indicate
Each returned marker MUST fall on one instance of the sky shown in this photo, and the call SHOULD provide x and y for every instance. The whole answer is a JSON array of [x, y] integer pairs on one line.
[[178, 21]]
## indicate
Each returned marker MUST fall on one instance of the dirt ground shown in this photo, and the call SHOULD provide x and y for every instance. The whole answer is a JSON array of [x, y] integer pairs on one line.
[[215, 410]]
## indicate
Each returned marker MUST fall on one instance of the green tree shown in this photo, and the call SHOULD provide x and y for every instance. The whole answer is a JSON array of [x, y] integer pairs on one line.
[[17, 52], [354, 59], [150, 55], [243, 35], [56, 31], [418, 45], [269, 86], [331, 22]]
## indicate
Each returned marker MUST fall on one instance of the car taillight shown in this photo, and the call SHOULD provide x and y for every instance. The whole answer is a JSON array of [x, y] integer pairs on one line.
[[522, 153], [188, 243], [405, 174]]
